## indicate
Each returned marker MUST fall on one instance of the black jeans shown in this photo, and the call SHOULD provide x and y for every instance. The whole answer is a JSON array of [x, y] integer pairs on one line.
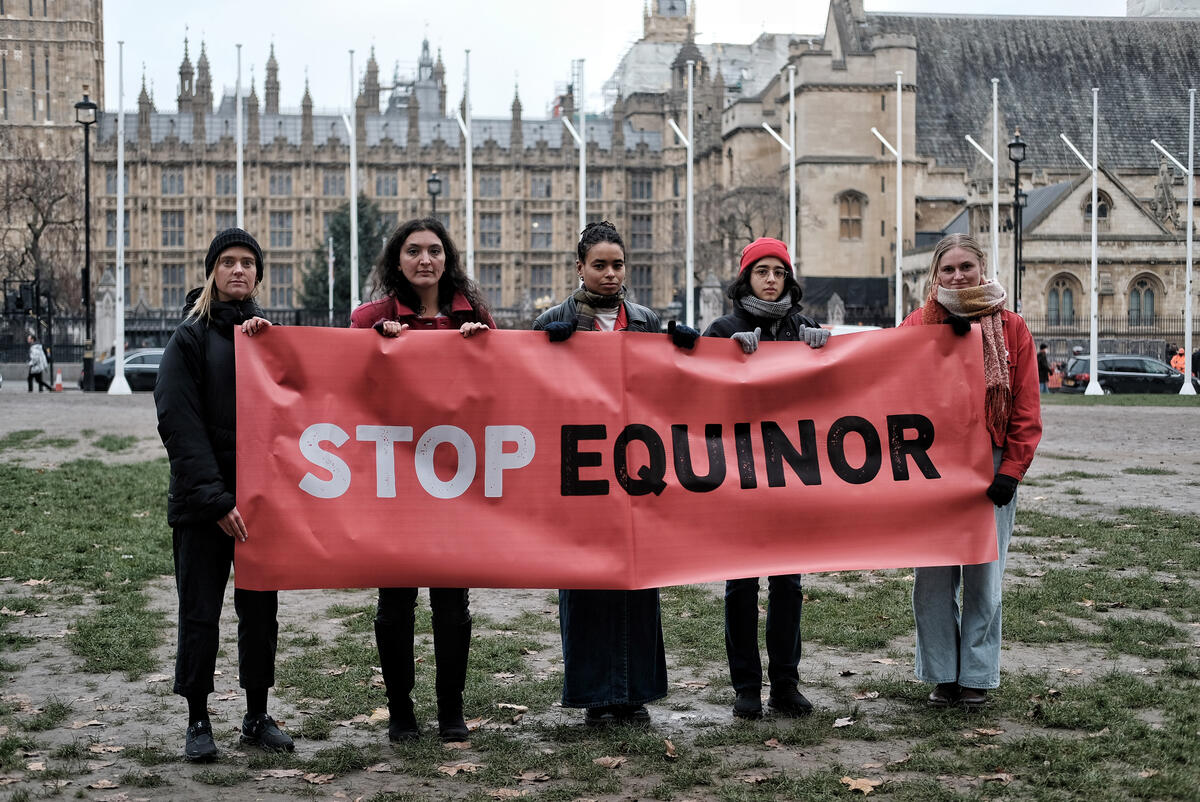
[[394, 624], [784, 601], [612, 647], [203, 557], [37, 377]]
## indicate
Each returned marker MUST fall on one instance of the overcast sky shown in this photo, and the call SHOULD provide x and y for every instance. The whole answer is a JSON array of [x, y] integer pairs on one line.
[[527, 42]]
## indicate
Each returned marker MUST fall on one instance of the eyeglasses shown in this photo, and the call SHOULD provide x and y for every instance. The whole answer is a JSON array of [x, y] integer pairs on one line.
[[763, 272]]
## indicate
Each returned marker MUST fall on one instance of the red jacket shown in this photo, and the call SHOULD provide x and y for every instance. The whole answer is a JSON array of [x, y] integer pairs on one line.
[[1024, 430], [461, 311]]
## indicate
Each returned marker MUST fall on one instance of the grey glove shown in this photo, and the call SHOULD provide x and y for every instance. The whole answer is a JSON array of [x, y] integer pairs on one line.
[[815, 337], [747, 339]]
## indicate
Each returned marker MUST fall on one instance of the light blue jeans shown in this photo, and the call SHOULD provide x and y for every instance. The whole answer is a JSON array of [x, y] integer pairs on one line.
[[958, 637]]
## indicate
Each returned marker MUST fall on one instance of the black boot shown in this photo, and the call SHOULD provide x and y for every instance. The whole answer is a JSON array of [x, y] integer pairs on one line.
[[451, 645], [394, 624]]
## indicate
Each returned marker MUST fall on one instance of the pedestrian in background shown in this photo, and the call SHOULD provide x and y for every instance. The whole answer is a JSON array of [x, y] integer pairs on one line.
[[766, 307], [1043, 363], [958, 642], [38, 364], [1179, 361], [423, 287], [197, 406]]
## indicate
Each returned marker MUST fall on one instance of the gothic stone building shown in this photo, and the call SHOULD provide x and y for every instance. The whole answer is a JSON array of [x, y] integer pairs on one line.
[[181, 163]]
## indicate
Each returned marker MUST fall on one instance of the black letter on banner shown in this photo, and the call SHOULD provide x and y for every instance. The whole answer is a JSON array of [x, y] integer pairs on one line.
[[915, 448], [650, 478], [745, 455], [683, 458], [573, 459], [837, 451], [778, 448]]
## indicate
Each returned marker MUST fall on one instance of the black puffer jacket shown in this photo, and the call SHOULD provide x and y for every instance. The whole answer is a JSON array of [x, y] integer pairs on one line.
[[786, 328], [197, 413], [640, 318]]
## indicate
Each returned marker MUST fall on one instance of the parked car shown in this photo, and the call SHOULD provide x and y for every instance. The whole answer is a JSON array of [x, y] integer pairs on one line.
[[1123, 373], [141, 369]]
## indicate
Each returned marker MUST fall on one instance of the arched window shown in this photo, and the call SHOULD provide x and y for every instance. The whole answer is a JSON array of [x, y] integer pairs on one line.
[[1060, 302], [850, 214], [1103, 207], [1142, 295]]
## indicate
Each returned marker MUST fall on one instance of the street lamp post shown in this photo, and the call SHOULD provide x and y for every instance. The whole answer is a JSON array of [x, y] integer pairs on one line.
[[85, 115], [433, 185], [1016, 155]]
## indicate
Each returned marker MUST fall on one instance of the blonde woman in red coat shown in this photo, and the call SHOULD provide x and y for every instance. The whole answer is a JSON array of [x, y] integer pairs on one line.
[[958, 643]]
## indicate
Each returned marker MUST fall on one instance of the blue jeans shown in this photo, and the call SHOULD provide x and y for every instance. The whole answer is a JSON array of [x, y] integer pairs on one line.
[[959, 640], [785, 599], [612, 647]]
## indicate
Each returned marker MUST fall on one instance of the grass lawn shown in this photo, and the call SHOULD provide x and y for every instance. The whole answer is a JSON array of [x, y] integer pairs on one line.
[[1097, 700]]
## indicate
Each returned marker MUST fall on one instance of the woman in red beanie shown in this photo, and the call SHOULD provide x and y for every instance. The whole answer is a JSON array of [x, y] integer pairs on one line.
[[766, 306], [958, 643]]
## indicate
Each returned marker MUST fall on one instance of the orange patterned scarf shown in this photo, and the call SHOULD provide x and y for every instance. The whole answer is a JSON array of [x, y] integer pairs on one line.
[[982, 303]]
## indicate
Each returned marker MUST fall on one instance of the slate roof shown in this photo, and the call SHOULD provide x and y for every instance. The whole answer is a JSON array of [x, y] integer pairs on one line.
[[1047, 67], [288, 125]]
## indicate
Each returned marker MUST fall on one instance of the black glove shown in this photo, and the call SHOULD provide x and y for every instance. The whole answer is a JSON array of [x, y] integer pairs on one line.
[[559, 330], [683, 336], [960, 325], [1002, 489]]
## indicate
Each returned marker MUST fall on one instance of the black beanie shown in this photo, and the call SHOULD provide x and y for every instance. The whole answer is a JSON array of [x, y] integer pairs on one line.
[[229, 238]]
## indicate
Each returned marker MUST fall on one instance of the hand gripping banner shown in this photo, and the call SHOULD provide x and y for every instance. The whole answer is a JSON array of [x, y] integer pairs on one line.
[[606, 461]]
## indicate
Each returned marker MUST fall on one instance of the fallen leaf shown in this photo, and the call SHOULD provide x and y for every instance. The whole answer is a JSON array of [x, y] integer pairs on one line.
[[1098, 734], [866, 695], [35, 766], [96, 765], [141, 514], [35, 582], [1086, 603], [104, 784], [988, 731], [158, 678], [999, 777], [609, 762], [671, 754], [872, 765], [456, 745], [506, 793], [13, 613], [528, 651], [843, 722], [517, 708], [467, 768], [860, 784], [100, 749], [504, 675], [531, 777], [475, 723], [754, 778], [335, 672], [281, 773], [79, 725], [361, 718], [887, 661], [228, 697], [382, 768], [692, 685], [318, 779], [1035, 573], [1071, 671], [900, 760], [773, 743], [379, 714], [1147, 773]]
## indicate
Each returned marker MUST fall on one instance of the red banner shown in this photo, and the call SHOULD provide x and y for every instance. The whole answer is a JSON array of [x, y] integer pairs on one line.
[[606, 461]]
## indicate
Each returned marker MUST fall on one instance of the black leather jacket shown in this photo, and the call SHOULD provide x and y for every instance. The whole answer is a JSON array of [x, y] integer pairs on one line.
[[640, 318], [786, 328]]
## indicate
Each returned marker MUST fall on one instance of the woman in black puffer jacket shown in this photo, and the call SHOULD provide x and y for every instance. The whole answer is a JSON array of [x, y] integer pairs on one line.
[[196, 402], [766, 306]]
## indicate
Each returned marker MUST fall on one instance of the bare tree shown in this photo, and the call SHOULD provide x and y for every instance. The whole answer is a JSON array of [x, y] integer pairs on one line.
[[41, 214], [730, 217]]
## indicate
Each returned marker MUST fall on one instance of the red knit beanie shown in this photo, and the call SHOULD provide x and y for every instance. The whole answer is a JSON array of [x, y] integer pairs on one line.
[[765, 246]]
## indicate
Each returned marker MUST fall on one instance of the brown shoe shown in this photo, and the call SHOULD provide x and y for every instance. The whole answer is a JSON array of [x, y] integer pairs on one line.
[[944, 695], [973, 698]]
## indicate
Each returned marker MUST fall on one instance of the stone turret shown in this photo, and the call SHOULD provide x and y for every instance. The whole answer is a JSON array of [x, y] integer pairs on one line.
[[145, 107], [517, 137], [414, 125], [202, 102], [306, 123], [185, 81], [252, 130], [371, 84], [439, 76], [271, 85]]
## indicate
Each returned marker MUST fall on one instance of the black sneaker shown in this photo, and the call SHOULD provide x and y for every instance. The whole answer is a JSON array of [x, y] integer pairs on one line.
[[747, 705], [453, 728], [263, 732], [199, 746], [789, 702], [403, 727]]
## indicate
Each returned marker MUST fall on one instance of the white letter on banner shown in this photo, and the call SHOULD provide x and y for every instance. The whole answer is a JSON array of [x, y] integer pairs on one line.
[[496, 461], [385, 457], [423, 461], [310, 447]]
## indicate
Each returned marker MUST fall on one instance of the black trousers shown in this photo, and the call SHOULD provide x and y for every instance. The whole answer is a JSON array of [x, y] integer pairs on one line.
[[785, 598], [203, 557], [41, 384], [394, 624]]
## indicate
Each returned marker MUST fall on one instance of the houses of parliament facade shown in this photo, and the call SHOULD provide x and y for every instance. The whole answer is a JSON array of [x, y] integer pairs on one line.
[[181, 180]]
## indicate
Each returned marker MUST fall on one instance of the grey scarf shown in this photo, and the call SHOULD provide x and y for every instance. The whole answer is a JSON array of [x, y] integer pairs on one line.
[[767, 310], [587, 302]]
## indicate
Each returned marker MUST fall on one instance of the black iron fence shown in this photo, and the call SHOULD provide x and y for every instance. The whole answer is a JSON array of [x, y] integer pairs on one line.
[[1156, 336]]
